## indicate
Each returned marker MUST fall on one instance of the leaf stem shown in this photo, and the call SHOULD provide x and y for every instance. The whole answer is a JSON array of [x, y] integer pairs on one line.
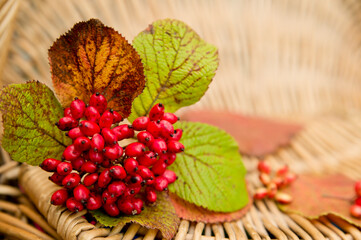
[[337, 197]]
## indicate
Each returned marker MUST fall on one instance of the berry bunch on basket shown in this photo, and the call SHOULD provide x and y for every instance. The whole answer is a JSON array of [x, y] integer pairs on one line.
[[97, 172]]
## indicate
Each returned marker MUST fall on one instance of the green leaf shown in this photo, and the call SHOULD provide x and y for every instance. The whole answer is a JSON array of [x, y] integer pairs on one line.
[[178, 66], [161, 216], [210, 170], [29, 112]]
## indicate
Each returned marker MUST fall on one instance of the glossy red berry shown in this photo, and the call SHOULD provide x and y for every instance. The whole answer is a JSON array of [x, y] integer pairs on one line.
[[282, 171], [120, 150], [123, 131], [145, 172], [81, 193], [264, 167], [126, 206], [138, 205], [64, 168], [106, 163], [90, 179], [94, 202], [67, 112], [111, 209], [89, 128], [170, 176], [106, 120], [154, 128], [77, 163], [131, 165], [159, 146], [89, 167], [117, 117], [134, 180], [168, 158], [146, 138], [109, 136], [167, 128], [99, 102], [176, 135], [358, 201], [97, 142], [117, 172], [71, 153], [116, 188], [131, 191], [175, 146], [96, 156], [59, 197], [170, 117], [74, 205], [50, 164], [160, 183], [159, 168], [150, 194], [92, 114], [135, 149], [75, 133], [82, 144], [71, 181], [104, 178], [77, 108], [56, 178], [147, 159], [140, 123], [111, 153], [66, 123], [358, 188], [355, 211], [156, 112]]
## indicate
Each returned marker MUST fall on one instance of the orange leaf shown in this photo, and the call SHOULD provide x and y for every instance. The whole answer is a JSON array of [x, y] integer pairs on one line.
[[94, 58], [255, 136], [191, 212], [316, 196]]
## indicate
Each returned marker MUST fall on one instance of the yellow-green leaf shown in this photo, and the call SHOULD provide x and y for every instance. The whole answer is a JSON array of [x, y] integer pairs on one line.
[[210, 170], [94, 58], [178, 66], [29, 113], [161, 216]]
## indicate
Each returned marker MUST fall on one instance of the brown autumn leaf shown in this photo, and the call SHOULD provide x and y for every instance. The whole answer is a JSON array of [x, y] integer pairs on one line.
[[94, 58], [255, 136], [316, 196], [191, 212]]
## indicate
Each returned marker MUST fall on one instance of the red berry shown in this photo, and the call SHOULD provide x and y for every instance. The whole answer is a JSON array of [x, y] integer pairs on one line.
[[99, 102], [170, 176], [159, 168], [75, 133], [175, 146], [81, 193], [283, 198], [82, 144], [140, 123], [67, 112], [146, 138], [71, 153], [358, 188], [135, 149], [92, 114], [90, 179], [260, 193], [50, 164], [117, 172], [159, 146], [108, 198], [74, 205], [131, 165], [120, 150], [170, 117], [160, 183], [123, 131], [289, 178], [154, 128], [272, 190], [109, 136], [106, 163], [282, 171], [97, 142], [168, 158], [106, 120], [147, 159], [358, 201], [145, 172], [131, 191], [77, 108], [77, 163], [117, 117], [89, 167], [157, 112], [56, 178], [66, 123], [264, 167], [96, 156], [94, 202], [138, 205], [111, 209], [71, 181], [111, 153], [126, 206], [176, 135], [64, 168], [104, 178], [59, 197], [266, 179], [89, 128], [355, 211], [134, 180], [167, 128], [150, 194], [116, 188]]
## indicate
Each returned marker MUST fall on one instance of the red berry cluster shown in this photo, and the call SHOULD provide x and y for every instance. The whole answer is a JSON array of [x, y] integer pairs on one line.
[[96, 171], [355, 209], [273, 182]]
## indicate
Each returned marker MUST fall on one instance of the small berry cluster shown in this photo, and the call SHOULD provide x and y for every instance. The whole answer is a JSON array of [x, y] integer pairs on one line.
[[273, 182], [96, 172], [355, 209]]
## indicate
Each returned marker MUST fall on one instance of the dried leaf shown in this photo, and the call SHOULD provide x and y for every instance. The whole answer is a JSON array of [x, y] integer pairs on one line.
[[191, 212], [316, 196], [29, 113], [210, 170], [94, 58], [255, 136], [178, 66], [161, 216]]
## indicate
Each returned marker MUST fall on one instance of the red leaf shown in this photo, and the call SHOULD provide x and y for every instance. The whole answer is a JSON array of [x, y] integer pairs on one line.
[[316, 196], [191, 212], [94, 58], [255, 136]]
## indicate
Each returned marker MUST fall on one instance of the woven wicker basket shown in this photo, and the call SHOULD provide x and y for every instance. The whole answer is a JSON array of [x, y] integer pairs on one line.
[[296, 60]]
